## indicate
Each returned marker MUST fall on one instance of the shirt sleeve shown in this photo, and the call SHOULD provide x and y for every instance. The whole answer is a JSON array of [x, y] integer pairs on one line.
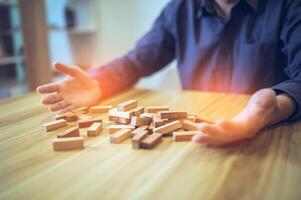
[[152, 52], [290, 35]]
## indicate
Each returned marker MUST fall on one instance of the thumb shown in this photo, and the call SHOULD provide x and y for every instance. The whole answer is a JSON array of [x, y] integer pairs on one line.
[[67, 69]]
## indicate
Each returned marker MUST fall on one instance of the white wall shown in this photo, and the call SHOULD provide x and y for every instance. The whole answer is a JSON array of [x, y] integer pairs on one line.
[[121, 24]]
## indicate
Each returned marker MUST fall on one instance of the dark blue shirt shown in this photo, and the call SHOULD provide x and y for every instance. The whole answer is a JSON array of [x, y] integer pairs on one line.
[[259, 46]]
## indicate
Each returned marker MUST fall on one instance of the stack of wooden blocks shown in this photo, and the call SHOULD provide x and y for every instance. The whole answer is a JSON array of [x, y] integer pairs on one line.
[[144, 126]]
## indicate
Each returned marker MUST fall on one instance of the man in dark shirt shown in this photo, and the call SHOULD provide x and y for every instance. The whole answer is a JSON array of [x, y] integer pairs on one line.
[[237, 46]]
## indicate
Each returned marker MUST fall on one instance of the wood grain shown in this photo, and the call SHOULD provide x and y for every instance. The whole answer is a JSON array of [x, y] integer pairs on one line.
[[267, 167]]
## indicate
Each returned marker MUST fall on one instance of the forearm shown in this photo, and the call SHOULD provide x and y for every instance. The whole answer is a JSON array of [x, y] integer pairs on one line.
[[285, 107], [265, 108], [115, 76]]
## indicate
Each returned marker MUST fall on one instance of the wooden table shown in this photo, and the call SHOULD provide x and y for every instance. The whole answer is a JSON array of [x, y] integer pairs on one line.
[[268, 167]]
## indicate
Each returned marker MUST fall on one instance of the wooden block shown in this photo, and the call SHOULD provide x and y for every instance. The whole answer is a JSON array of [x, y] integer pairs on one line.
[[172, 115], [81, 109], [70, 143], [87, 122], [205, 118], [94, 129], [71, 132], [54, 125], [126, 106], [139, 130], [151, 141], [155, 109], [119, 120], [151, 127], [137, 139], [189, 125], [100, 109], [120, 136], [115, 128], [191, 117], [184, 135], [83, 116], [71, 117], [140, 121], [157, 121], [147, 115], [81, 112], [168, 128], [137, 111], [61, 116], [160, 122], [114, 113]]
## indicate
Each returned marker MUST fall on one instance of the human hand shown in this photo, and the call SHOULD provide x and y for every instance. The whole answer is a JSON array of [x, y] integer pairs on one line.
[[224, 132], [78, 89], [263, 110]]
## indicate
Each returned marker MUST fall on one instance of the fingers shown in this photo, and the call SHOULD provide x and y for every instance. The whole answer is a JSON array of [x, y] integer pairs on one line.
[[224, 123], [210, 129], [59, 106], [52, 99], [205, 139], [48, 88], [66, 69]]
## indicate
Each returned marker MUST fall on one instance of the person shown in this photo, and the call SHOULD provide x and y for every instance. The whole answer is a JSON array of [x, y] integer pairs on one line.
[[237, 46]]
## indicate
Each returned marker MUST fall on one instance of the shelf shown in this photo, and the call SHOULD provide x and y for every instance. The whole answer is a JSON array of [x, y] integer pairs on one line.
[[11, 60], [9, 32], [8, 2], [77, 30], [81, 31]]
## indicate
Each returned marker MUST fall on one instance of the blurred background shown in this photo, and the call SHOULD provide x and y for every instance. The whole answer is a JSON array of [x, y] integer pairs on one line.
[[87, 33]]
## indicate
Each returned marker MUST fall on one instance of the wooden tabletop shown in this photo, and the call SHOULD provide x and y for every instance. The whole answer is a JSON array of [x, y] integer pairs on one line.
[[267, 167]]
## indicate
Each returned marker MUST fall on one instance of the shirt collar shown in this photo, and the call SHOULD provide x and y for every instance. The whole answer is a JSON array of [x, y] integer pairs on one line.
[[207, 4]]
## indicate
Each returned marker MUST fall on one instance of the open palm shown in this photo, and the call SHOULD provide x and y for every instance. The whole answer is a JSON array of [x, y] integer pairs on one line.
[[78, 89]]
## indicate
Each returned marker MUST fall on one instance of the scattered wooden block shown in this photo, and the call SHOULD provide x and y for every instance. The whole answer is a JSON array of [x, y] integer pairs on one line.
[[119, 120], [71, 117], [147, 115], [100, 109], [151, 141], [140, 121], [172, 115], [120, 136], [160, 122], [54, 125], [139, 130], [83, 116], [205, 118], [115, 128], [168, 128], [70, 143], [71, 132], [155, 109], [151, 127], [137, 139], [191, 117], [137, 111], [94, 129], [114, 113], [87, 122], [184, 135], [126, 106], [61, 116], [189, 125], [128, 114], [81, 112], [82, 109]]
